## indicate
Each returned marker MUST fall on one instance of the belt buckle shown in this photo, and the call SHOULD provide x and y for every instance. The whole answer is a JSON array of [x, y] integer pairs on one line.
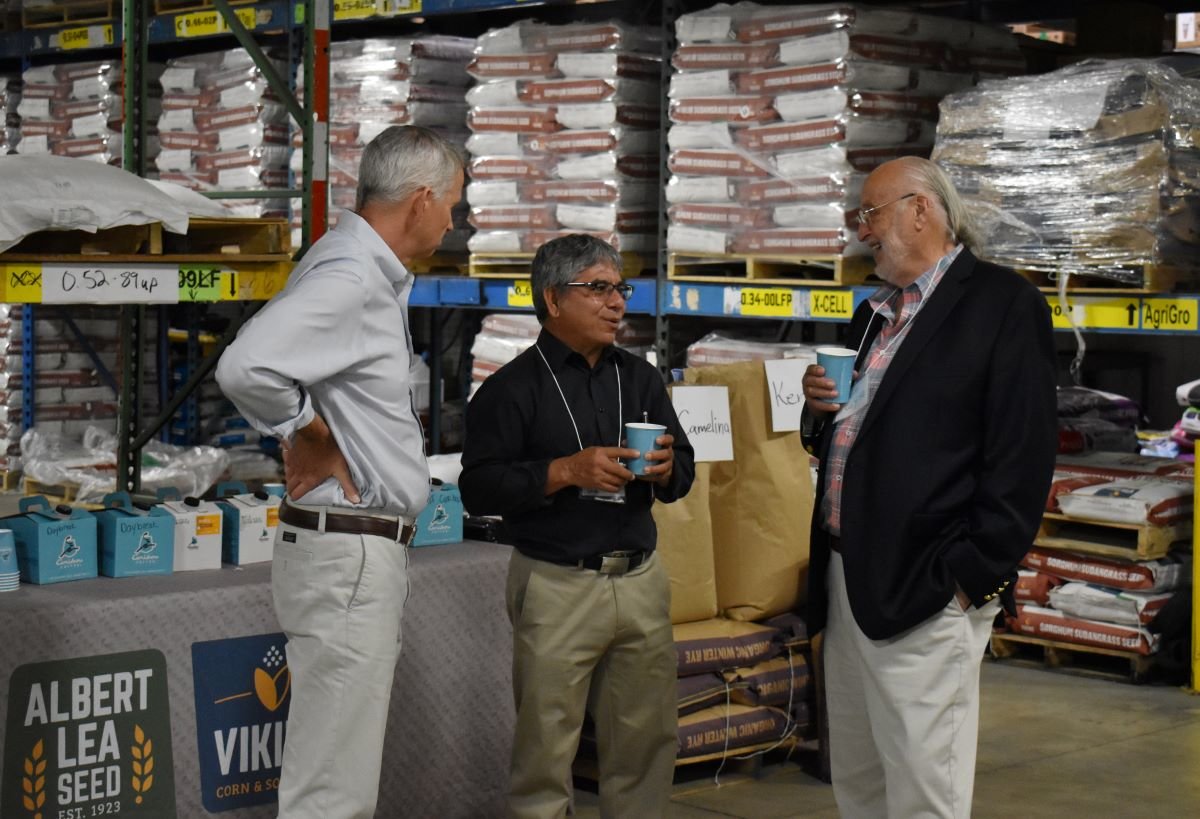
[[614, 564]]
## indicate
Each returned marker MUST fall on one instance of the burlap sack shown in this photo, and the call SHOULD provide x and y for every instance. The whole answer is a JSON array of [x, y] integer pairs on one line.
[[761, 502], [685, 545]]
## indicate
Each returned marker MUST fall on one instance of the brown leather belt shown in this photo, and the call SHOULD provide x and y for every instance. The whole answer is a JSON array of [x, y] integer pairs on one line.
[[388, 527]]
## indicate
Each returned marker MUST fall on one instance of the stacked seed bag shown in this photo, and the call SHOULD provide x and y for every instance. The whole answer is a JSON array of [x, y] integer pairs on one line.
[[377, 83], [76, 110], [1091, 169], [565, 136], [780, 112], [10, 127], [222, 129]]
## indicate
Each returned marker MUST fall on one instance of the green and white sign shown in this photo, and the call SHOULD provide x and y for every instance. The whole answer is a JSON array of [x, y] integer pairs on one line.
[[89, 737]]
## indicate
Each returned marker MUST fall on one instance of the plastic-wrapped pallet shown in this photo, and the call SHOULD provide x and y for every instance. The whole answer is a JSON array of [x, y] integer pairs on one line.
[[10, 126], [565, 136], [222, 129], [779, 112], [717, 348], [379, 82], [1091, 169], [76, 110], [69, 393]]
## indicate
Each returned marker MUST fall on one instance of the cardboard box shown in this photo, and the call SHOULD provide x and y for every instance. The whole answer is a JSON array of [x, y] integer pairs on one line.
[[198, 526], [134, 542], [54, 544], [248, 528], [442, 520]]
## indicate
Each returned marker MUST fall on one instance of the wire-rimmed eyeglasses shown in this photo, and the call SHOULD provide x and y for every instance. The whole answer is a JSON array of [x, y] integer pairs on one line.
[[601, 289], [864, 214]]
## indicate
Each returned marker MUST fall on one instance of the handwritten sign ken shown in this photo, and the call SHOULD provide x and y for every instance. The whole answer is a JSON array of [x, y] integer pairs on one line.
[[785, 392], [704, 415]]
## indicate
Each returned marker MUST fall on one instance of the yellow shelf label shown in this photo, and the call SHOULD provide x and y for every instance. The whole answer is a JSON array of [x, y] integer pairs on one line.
[[208, 23], [1095, 312], [830, 304], [86, 37], [520, 294], [200, 283], [22, 283], [774, 302], [354, 9], [1170, 314]]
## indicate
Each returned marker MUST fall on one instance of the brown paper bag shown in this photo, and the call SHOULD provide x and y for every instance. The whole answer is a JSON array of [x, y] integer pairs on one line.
[[685, 545], [761, 502]]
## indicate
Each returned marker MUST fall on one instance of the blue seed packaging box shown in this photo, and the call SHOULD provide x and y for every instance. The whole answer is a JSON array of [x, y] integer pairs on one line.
[[442, 520], [250, 520], [54, 544], [134, 542]]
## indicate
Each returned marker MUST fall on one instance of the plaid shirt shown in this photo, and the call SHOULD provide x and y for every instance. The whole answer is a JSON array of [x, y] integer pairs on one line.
[[898, 307]]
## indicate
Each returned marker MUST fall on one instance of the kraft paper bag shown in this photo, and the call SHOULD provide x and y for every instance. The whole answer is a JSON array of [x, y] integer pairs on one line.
[[685, 545], [761, 502]]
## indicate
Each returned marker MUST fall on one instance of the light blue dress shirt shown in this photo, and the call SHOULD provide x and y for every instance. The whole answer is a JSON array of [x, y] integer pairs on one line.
[[335, 342]]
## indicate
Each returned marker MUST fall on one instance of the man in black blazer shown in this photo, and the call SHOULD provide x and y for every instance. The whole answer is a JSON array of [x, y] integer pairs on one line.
[[933, 478]]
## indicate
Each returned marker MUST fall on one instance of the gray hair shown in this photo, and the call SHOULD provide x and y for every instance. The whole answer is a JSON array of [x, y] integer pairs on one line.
[[935, 182], [403, 159], [560, 260]]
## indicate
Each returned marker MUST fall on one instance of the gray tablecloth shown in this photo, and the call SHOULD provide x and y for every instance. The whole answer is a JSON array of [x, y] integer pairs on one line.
[[450, 727]]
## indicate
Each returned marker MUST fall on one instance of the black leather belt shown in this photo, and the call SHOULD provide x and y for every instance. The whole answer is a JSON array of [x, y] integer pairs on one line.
[[388, 527], [610, 562], [835, 543]]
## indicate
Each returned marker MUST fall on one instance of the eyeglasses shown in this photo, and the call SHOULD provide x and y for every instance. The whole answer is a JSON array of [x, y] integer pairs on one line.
[[864, 214], [601, 289]]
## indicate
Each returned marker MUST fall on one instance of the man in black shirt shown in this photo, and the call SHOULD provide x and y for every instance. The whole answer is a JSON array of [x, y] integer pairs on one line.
[[588, 599]]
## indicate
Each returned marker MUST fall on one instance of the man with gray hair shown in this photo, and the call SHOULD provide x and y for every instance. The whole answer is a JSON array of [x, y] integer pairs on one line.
[[588, 598], [324, 367], [932, 482]]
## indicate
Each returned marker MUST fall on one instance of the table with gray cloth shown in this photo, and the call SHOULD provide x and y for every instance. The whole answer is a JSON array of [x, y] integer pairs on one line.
[[451, 722]]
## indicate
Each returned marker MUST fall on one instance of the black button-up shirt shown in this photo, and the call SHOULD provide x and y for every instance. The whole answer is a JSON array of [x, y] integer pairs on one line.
[[517, 424]]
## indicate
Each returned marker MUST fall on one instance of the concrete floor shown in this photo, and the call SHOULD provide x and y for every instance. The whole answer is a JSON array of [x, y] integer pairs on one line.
[[1051, 745]]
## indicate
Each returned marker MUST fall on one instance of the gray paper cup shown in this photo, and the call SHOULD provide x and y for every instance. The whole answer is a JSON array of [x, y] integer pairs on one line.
[[641, 437], [839, 365]]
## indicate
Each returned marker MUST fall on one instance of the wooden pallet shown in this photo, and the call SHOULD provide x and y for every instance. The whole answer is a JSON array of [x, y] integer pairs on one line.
[[67, 12], [1149, 279], [207, 239], [1128, 541], [9, 480], [1083, 661], [517, 265], [790, 270], [55, 493], [441, 264]]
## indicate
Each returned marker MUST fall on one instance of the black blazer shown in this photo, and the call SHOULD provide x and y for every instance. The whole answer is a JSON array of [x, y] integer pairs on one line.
[[948, 477]]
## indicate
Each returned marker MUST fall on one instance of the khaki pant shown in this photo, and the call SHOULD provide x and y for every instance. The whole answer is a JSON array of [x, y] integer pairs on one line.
[[601, 643], [339, 599], [904, 712]]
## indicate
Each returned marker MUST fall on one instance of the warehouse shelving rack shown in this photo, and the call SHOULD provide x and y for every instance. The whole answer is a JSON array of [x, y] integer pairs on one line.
[[1150, 314]]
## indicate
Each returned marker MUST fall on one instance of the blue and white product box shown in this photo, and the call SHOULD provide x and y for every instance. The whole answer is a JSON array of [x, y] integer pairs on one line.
[[250, 520], [442, 520], [54, 544], [134, 542], [197, 532]]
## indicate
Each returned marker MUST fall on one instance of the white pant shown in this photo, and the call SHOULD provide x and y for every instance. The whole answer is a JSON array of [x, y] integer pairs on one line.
[[339, 599], [904, 712]]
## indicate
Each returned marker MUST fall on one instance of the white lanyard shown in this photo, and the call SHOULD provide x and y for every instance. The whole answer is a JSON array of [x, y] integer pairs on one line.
[[571, 415]]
